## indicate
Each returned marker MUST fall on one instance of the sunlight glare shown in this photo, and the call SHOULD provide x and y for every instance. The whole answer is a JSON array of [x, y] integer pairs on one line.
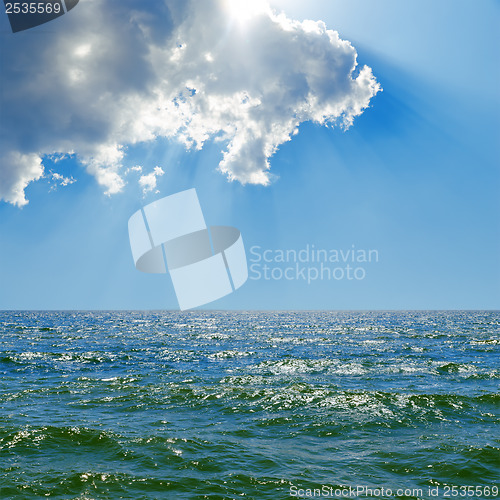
[[245, 10]]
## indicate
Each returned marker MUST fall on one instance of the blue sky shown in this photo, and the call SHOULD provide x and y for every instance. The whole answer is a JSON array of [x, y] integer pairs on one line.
[[416, 178]]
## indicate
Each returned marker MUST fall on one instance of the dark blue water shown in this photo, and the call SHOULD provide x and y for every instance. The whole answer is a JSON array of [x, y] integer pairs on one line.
[[253, 405]]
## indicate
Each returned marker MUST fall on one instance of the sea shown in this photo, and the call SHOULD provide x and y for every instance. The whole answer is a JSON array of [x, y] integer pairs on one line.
[[249, 405]]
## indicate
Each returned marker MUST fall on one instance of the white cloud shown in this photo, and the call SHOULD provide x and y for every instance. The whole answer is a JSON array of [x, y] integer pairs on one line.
[[148, 182], [114, 73], [58, 180], [16, 172], [135, 168]]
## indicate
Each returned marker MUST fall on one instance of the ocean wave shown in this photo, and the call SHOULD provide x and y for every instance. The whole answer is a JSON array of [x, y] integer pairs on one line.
[[175, 405]]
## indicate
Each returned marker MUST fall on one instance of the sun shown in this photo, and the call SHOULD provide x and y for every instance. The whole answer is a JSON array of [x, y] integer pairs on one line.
[[244, 10]]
